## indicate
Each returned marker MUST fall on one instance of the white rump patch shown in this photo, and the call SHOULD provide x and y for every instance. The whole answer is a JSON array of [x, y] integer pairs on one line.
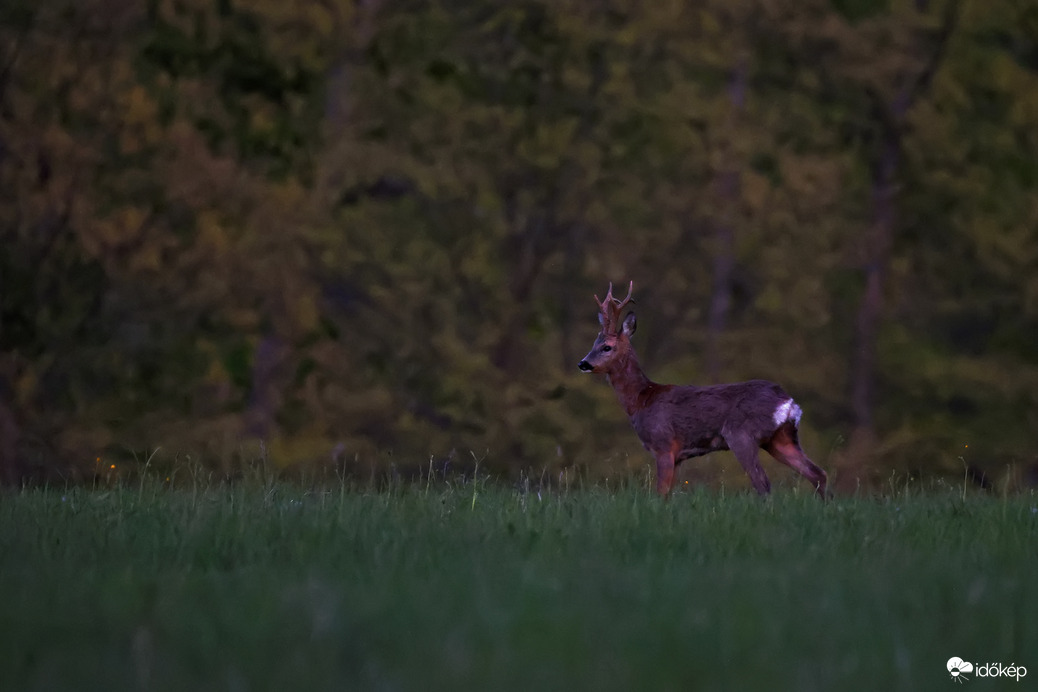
[[788, 411]]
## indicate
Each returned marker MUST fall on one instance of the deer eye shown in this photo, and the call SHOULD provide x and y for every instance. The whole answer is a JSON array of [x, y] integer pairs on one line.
[[607, 349]]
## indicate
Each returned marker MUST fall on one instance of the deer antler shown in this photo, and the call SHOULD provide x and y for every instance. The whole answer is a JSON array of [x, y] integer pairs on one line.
[[611, 308]]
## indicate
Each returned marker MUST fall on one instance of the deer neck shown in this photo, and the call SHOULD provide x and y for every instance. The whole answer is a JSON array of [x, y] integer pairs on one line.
[[630, 382]]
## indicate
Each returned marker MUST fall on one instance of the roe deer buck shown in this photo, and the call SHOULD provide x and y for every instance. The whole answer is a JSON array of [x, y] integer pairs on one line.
[[679, 422]]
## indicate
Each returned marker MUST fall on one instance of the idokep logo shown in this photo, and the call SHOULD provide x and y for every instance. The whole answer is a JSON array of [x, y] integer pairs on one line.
[[960, 670]]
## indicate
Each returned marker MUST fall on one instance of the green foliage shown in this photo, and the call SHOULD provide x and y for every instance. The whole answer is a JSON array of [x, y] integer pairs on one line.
[[371, 231], [460, 584]]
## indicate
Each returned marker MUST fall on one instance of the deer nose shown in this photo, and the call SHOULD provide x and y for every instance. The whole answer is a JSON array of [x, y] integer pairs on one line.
[[585, 366]]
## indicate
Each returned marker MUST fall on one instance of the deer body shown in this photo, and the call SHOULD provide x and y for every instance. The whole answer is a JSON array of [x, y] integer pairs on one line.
[[675, 423]]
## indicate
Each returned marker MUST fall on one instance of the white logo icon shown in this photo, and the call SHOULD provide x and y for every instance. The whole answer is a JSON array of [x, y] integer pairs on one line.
[[958, 668]]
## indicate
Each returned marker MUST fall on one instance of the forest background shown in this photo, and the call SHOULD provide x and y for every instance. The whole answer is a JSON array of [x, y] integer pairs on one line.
[[339, 235]]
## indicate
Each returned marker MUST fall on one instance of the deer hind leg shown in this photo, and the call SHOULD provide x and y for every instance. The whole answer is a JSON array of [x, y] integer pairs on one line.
[[785, 447], [745, 449]]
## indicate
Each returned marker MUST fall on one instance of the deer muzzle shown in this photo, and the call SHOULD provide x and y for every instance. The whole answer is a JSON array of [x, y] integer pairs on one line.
[[586, 366]]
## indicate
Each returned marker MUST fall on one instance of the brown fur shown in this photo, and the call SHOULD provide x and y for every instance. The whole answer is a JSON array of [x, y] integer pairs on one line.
[[676, 422]]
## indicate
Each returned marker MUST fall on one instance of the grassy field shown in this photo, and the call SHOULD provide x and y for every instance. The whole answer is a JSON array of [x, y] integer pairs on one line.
[[468, 585]]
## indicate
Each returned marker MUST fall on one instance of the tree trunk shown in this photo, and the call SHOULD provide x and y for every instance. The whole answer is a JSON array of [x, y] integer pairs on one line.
[[729, 187], [10, 469], [571, 312], [265, 391], [878, 244], [720, 297], [528, 254]]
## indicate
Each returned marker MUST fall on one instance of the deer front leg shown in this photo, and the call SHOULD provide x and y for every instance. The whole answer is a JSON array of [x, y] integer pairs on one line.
[[664, 472]]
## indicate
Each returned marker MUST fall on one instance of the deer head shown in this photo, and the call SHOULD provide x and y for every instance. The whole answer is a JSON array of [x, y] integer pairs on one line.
[[614, 341]]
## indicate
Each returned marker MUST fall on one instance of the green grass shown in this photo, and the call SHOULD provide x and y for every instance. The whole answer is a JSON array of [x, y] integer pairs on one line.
[[450, 586]]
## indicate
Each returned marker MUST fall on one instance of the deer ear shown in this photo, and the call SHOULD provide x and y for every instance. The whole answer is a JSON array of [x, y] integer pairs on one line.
[[630, 324], [601, 319]]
